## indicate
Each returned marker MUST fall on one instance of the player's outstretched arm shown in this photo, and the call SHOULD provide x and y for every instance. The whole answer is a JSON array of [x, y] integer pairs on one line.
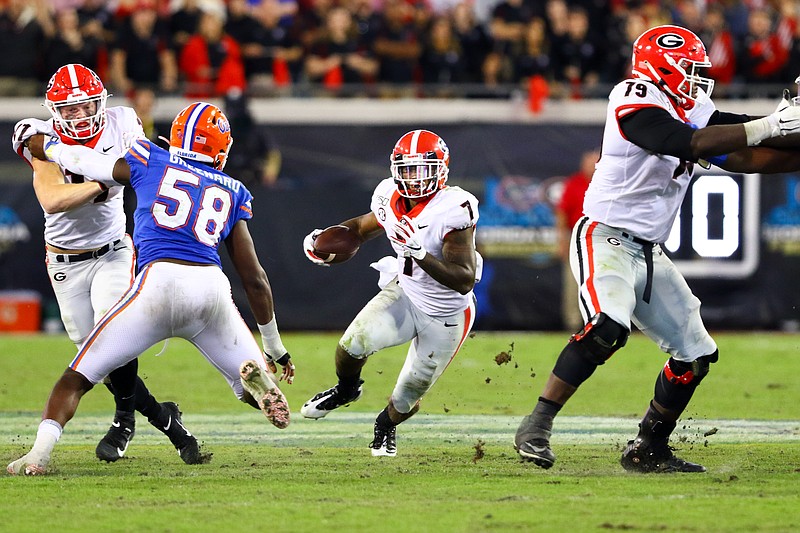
[[763, 160], [258, 290], [82, 160], [56, 195]]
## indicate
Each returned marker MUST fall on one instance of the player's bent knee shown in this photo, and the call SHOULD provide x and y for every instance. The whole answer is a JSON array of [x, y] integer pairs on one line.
[[601, 336], [353, 347]]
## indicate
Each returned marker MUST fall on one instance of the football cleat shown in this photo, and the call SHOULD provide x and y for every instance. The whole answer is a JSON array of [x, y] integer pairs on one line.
[[171, 425], [531, 443], [384, 442], [536, 451], [115, 443], [645, 457], [29, 465], [262, 386], [326, 401]]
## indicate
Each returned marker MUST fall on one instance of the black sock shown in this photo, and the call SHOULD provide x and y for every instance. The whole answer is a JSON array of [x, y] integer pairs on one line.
[[145, 402], [383, 419], [348, 385]]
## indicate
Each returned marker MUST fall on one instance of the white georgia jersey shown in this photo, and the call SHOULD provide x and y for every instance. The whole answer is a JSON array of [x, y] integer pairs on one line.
[[450, 209], [634, 189], [101, 221]]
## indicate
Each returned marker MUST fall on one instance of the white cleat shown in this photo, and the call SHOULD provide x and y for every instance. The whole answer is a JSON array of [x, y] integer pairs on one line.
[[262, 386], [326, 401], [384, 443], [29, 466]]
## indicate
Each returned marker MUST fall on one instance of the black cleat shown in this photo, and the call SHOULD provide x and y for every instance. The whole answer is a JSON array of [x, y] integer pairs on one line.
[[645, 457], [115, 443], [384, 442], [170, 424], [532, 444]]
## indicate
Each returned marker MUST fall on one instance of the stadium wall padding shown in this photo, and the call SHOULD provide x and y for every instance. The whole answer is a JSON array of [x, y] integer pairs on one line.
[[515, 170]]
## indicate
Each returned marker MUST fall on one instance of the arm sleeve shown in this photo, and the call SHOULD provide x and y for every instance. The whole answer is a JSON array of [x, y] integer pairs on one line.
[[87, 162], [654, 129], [721, 118]]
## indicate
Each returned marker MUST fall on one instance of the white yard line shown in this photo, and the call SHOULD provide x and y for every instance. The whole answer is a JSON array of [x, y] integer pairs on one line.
[[355, 429]]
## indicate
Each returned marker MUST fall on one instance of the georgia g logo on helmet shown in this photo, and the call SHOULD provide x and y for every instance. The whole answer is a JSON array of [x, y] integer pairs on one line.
[[670, 41]]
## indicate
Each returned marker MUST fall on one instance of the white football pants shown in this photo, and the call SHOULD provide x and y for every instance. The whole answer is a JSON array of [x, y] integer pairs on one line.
[[85, 290], [171, 300], [390, 319], [611, 272]]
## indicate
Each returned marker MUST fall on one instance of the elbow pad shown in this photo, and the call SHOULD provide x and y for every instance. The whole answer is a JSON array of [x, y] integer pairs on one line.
[[85, 161]]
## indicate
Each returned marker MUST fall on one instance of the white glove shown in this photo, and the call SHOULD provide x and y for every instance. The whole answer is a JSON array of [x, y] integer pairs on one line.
[[27, 128], [784, 120], [405, 234], [308, 248]]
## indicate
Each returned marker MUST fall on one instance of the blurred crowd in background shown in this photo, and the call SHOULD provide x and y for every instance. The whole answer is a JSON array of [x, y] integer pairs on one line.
[[385, 48]]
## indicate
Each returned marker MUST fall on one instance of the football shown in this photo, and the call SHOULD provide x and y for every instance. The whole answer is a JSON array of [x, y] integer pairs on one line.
[[336, 244]]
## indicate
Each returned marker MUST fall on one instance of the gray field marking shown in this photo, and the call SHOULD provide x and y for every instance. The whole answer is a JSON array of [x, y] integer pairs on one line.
[[354, 429]]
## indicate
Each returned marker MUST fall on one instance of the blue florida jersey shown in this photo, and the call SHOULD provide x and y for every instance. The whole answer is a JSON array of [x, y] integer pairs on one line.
[[183, 211]]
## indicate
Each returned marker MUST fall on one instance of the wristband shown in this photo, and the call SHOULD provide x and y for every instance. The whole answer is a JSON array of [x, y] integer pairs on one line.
[[759, 129], [271, 339]]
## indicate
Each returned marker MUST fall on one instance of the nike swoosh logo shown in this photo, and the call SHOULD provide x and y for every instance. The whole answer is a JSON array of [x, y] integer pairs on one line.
[[115, 424], [166, 428], [107, 148], [184, 428], [425, 226], [449, 325], [121, 451], [539, 449]]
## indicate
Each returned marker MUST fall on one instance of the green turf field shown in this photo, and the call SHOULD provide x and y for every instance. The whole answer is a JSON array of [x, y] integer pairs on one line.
[[455, 469]]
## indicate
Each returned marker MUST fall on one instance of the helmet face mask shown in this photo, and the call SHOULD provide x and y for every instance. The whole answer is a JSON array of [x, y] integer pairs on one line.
[[419, 164], [672, 57], [201, 132], [76, 99]]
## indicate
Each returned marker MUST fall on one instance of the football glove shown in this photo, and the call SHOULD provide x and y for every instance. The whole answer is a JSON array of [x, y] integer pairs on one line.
[[27, 128], [308, 248], [785, 120], [405, 234]]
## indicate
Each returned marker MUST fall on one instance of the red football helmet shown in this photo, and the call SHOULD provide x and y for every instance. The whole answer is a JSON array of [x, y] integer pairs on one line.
[[201, 132], [420, 163], [76, 98], [672, 57]]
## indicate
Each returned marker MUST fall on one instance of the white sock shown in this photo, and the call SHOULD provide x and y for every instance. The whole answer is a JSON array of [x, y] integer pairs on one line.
[[46, 437]]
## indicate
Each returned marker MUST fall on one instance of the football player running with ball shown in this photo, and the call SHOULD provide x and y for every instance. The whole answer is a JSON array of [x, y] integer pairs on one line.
[[90, 259], [658, 125], [429, 301], [186, 206]]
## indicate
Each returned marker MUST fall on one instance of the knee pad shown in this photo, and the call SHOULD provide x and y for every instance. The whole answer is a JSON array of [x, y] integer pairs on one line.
[[678, 380], [589, 348], [601, 337]]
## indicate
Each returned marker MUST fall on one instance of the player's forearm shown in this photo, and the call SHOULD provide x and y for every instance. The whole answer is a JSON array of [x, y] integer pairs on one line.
[[762, 159], [84, 161], [456, 276], [57, 196]]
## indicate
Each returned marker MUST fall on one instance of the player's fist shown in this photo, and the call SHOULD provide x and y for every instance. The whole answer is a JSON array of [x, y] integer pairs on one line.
[[308, 248], [788, 115], [27, 128], [405, 234]]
